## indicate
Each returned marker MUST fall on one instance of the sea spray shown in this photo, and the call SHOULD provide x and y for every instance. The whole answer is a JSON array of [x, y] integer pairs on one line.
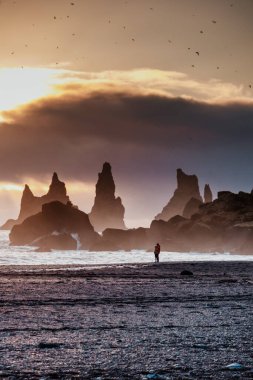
[[78, 243]]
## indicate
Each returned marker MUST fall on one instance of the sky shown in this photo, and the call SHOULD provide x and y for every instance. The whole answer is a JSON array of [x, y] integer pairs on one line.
[[148, 85]]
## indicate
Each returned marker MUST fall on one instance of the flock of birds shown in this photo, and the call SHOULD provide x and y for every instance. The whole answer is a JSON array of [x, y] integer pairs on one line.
[[133, 39]]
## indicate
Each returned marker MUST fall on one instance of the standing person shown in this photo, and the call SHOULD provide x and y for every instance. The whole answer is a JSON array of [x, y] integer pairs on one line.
[[157, 252]]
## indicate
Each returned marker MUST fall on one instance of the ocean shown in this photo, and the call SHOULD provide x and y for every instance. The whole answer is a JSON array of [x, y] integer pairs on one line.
[[10, 255]]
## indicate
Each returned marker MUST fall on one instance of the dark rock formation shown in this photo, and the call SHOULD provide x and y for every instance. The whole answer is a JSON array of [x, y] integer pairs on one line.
[[187, 188], [191, 207], [135, 238], [57, 241], [186, 272], [55, 218], [107, 211], [208, 196], [31, 205]]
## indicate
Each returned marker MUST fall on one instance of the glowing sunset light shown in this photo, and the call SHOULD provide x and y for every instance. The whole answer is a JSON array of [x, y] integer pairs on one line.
[[19, 86]]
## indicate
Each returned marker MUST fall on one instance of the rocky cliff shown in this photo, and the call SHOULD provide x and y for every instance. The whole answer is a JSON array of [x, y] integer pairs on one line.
[[107, 211], [187, 188], [31, 205]]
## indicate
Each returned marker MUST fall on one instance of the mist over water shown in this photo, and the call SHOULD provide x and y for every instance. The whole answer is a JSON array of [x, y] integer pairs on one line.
[[16, 255]]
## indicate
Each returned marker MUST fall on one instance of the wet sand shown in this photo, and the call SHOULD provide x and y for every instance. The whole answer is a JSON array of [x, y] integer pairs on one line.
[[126, 321]]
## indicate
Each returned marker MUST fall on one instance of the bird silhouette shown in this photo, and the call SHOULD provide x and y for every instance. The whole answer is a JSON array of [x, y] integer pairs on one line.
[[197, 52]]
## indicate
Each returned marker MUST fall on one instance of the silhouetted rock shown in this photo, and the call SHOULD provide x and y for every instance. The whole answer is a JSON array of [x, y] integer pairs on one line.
[[135, 238], [159, 229], [31, 205], [107, 211], [191, 207], [57, 241], [186, 273], [55, 218], [223, 225], [187, 188], [208, 196], [48, 345]]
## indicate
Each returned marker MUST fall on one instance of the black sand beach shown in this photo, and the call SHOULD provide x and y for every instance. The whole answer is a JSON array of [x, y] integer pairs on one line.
[[127, 321]]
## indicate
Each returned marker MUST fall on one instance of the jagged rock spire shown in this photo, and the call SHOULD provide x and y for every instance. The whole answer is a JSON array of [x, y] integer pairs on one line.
[[187, 188], [57, 189], [208, 196], [31, 205], [107, 211]]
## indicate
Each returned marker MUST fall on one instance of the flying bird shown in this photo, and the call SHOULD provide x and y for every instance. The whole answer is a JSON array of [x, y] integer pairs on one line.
[[72, 3], [201, 31], [214, 21], [250, 86], [197, 52], [133, 39]]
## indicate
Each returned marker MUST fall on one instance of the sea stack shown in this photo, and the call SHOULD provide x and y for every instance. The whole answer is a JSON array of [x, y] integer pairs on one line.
[[107, 211], [208, 196], [56, 226], [187, 188], [31, 205]]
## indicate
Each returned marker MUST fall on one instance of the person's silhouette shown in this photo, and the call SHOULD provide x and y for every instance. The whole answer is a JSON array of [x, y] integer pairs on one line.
[[157, 252]]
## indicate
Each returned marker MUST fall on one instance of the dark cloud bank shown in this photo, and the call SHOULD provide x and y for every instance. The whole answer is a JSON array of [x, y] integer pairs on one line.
[[145, 137]]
